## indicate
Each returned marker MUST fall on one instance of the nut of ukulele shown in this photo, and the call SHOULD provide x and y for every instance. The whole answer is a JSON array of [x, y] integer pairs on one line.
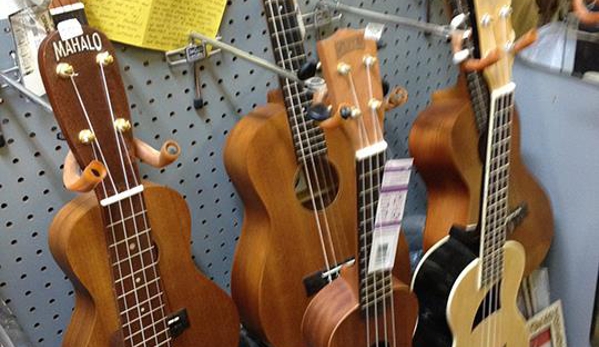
[[169, 152], [93, 174]]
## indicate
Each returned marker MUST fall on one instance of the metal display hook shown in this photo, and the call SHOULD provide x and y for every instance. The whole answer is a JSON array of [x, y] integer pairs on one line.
[[445, 31], [245, 55], [23, 90]]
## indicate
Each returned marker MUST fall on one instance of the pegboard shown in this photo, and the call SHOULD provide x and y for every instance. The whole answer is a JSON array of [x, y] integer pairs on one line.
[[31, 189]]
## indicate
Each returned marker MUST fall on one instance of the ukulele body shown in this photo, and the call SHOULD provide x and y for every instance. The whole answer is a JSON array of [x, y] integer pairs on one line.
[[334, 317], [280, 244], [446, 283], [78, 243], [444, 142]]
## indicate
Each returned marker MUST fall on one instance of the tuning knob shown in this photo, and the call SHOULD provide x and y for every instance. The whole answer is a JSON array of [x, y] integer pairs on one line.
[[319, 112], [386, 87], [307, 70]]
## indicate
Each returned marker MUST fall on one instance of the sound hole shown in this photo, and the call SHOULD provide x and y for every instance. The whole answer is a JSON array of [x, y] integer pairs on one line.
[[323, 179], [490, 305], [381, 344]]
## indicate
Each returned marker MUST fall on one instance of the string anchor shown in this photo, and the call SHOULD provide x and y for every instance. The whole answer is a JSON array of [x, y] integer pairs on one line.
[[86, 136], [104, 58], [122, 125], [65, 70]]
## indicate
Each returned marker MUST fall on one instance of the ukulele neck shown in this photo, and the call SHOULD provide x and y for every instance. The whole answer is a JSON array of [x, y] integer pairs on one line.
[[374, 287], [496, 185], [133, 254], [477, 86], [286, 33]]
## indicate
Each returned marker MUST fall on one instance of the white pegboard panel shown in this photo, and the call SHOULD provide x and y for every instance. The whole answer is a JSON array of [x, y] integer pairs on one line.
[[31, 189]]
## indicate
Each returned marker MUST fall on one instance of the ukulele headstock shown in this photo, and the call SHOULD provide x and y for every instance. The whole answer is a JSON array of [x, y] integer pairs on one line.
[[495, 34], [82, 79], [351, 70]]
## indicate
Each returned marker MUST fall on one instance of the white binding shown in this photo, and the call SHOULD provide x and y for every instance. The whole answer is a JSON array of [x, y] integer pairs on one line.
[[425, 257]]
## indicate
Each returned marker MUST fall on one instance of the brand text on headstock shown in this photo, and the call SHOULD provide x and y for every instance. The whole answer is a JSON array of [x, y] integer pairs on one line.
[[342, 47], [83, 43]]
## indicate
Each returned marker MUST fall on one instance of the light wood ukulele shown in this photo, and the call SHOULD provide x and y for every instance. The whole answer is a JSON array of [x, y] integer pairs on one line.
[[126, 246], [448, 140], [468, 291], [360, 308]]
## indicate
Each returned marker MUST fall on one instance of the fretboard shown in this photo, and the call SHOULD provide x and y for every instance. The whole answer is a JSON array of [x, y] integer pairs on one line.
[[496, 185], [134, 264], [133, 255], [477, 87], [375, 288], [288, 49]]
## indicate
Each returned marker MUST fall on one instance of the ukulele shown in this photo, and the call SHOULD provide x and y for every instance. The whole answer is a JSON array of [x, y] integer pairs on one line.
[[467, 286], [296, 182], [448, 142], [126, 246], [361, 307]]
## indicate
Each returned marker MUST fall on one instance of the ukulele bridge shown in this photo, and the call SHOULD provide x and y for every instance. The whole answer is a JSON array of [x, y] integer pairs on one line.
[[178, 322], [313, 283]]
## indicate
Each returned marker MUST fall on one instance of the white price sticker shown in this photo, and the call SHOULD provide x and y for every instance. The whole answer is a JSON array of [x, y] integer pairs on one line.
[[389, 214], [69, 28]]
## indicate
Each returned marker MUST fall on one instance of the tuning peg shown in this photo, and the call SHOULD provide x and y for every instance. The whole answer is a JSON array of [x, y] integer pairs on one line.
[[169, 152], [386, 87], [526, 40], [319, 112], [91, 176], [307, 70], [481, 64], [458, 21]]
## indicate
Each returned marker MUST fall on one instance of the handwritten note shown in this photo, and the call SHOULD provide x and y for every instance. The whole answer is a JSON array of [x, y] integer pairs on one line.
[[155, 24]]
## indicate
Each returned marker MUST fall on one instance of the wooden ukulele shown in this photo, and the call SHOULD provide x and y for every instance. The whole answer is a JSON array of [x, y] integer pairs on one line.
[[297, 183], [125, 247], [361, 307], [468, 291], [448, 141]]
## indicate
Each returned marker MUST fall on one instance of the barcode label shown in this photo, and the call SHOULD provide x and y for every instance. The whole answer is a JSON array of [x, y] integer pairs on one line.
[[389, 214]]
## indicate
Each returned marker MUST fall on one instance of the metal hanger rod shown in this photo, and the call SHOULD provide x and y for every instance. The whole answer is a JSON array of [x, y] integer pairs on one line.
[[435, 29], [29, 94], [245, 55]]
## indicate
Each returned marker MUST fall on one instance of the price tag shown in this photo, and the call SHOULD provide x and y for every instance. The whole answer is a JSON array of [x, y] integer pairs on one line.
[[69, 28], [389, 214], [195, 52], [374, 31]]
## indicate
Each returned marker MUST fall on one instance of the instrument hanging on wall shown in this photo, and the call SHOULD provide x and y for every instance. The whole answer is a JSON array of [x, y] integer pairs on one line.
[[467, 284], [361, 307], [448, 142], [126, 246], [297, 185]]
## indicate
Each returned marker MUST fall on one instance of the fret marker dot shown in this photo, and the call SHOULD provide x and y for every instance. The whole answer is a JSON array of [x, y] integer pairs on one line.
[[132, 246], [143, 309], [137, 280]]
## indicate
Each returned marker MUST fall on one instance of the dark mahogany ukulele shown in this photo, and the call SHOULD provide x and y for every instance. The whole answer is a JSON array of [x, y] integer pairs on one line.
[[448, 141], [126, 246], [361, 307], [297, 183]]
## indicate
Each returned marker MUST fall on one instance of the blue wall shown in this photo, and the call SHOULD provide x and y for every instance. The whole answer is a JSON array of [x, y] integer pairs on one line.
[[560, 144]]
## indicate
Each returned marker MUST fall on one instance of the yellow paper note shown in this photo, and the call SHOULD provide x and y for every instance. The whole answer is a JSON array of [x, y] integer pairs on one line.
[[155, 24]]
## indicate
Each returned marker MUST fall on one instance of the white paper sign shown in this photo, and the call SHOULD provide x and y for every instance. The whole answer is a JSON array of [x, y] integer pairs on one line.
[[389, 214]]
